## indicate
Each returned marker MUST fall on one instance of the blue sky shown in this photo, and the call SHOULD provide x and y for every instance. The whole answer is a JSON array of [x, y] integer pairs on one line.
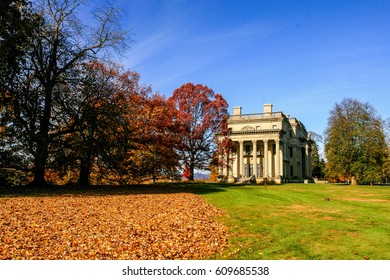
[[301, 56]]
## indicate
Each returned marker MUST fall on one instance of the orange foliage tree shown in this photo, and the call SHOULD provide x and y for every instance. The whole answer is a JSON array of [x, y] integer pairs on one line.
[[112, 129], [153, 154], [202, 116]]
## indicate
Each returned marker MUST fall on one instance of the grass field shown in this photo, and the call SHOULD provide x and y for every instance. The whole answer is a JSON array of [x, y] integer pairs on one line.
[[298, 221], [291, 221]]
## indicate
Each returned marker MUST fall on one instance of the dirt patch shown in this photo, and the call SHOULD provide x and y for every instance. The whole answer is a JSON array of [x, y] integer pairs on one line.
[[364, 199], [301, 208], [368, 194], [152, 226], [309, 212], [327, 218]]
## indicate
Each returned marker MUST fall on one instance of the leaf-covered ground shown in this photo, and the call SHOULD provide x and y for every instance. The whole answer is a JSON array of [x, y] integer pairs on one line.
[[123, 226]]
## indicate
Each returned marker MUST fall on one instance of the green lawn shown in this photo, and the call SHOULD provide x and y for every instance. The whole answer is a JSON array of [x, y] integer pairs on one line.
[[298, 221]]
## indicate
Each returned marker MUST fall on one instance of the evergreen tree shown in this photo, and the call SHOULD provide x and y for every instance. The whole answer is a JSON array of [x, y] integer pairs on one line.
[[318, 163]]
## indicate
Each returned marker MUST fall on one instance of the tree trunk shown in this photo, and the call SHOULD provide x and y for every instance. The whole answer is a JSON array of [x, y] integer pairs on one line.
[[39, 178], [85, 165], [191, 178], [85, 168], [42, 152]]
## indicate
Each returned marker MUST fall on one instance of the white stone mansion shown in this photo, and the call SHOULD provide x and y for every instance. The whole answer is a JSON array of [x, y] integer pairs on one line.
[[269, 146]]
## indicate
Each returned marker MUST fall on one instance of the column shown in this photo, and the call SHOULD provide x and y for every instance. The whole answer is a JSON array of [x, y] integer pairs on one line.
[[229, 160], [226, 164], [299, 158], [220, 165], [282, 167], [310, 164], [241, 162], [277, 159], [265, 158], [254, 158], [295, 162]]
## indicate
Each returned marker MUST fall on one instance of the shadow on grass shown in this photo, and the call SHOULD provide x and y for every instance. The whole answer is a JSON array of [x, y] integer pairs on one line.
[[78, 190]]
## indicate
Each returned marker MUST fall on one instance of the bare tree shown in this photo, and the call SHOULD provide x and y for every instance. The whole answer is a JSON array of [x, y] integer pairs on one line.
[[61, 42]]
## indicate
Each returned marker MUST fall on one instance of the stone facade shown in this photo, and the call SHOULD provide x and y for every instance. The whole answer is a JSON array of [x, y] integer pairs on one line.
[[270, 146]]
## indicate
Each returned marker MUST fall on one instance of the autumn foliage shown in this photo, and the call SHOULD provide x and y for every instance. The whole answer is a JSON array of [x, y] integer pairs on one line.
[[202, 116], [69, 115], [110, 129], [134, 225]]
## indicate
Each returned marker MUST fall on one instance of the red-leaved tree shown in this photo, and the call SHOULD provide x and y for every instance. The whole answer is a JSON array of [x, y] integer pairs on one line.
[[202, 116], [153, 155], [186, 172]]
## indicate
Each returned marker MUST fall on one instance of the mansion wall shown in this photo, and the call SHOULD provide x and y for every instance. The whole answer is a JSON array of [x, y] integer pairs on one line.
[[268, 145]]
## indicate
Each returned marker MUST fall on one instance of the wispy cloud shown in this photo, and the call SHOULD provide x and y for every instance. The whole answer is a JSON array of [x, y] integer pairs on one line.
[[148, 48], [240, 34], [177, 54]]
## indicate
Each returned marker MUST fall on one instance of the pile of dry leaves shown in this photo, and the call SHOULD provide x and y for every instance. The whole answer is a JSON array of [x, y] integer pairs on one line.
[[138, 226]]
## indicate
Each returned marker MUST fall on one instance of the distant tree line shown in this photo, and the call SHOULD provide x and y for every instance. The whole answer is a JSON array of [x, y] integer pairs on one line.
[[70, 115]]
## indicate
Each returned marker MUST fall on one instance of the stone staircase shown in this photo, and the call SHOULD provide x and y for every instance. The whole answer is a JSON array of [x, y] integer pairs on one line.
[[247, 180]]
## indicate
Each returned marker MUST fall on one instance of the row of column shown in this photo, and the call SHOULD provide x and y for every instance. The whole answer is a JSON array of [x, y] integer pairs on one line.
[[279, 169], [266, 159]]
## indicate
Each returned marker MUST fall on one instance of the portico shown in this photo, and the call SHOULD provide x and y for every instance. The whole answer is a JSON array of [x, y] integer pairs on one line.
[[269, 145]]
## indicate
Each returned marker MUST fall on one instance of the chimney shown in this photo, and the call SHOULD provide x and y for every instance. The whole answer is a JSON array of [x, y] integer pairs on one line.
[[267, 108], [237, 111]]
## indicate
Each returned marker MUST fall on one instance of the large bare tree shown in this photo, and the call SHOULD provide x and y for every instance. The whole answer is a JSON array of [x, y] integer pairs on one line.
[[61, 42]]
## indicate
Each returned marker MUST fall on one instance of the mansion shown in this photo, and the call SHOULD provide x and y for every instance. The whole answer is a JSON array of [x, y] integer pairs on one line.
[[268, 146]]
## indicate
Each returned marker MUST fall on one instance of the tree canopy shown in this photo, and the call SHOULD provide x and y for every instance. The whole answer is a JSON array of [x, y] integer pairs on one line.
[[71, 115], [51, 52], [355, 145], [318, 163], [202, 115]]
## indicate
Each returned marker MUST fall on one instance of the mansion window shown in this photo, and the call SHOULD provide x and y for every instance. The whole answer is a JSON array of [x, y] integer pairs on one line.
[[247, 149]]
